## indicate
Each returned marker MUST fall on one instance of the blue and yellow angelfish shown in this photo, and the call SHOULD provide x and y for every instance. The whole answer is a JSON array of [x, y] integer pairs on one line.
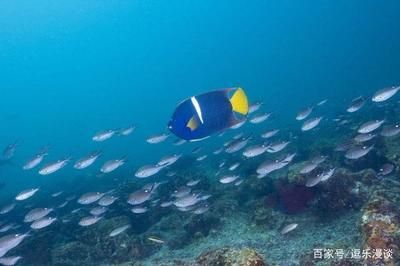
[[200, 116]]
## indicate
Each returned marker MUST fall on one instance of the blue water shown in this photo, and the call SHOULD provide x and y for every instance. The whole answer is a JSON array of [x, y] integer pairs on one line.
[[71, 68]]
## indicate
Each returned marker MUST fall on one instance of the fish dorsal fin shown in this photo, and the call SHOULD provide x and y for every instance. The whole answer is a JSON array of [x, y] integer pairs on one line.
[[193, 123], [239, 102]]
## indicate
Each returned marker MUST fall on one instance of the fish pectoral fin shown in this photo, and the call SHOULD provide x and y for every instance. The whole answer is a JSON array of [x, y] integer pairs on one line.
[[193, 123], [239, 102]]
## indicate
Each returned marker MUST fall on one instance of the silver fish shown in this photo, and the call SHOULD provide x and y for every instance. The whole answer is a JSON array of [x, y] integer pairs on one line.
[[237, 145], [35, 161], [9, 242], [233, 166], [303, 114], [56, 194], [322, 102], [255, 150], [7, 208], [90, 197], [9, 151], [386, 169], [119, 230], [139, 196], [319, 159], [370, 126], [358, 152], [201, 158], [43, 222], [112, 165], [390, 131], [107, 200], [148, 170], [238, 125], [364, 137], [259, 118], [356, 104], [36, 214], [10, 261], [89, 220], [87, 161], [201, 209], [154, 139], [169, 160], [268, 166], [385, 94], [166, 204], [179, 142], [311, 123], [228, 179], [254, 107], [270, 133], [186, 201], [126, 131], [313, 181], [139, 210], [26, 194], [192, 183], [288, 228], [181, 192], [277, 146], [53, 167], [325, 175], [103, 135], [308, 168], [97, 211]]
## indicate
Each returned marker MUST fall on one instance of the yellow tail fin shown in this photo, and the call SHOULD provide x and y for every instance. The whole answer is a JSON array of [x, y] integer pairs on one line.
[[239, 102], [192, 123]]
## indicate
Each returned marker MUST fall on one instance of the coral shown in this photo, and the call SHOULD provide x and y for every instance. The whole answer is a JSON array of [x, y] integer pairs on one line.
[[229, 257], [381, 227]]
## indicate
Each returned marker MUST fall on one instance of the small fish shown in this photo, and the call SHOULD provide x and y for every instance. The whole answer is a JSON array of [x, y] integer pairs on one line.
[[9, 151], [270, 133], [7, 208], [10, 261], [370, 126], [90, 197], [327, 174], [35, 161], [56, 194], [386, 169], [237, 145], [356, 104], [308, 168], [127, 131], [201, 158], [267, 167], [192, 183], [288, 228], [313, 181], [239, 182], [255, 150], [385, 94], [254, 107], [148, 170], [36, 214], [169, 160], [139, 196], [53, 167], [358, 152], [181, 192], [155, 139], [97, 211], [26, 194], [89, 220], [257, 119], [103, 135], [233, 166], [228, 179], [322, 102], [390, 131], [319, 159], [62, 205], [364, 137], [303, 114], [112, 165], [107, 200], [238, 125], [139, 210], [187, 201], [179, 142], [311, 123], [166, 204], [43, 222], [119, 230], [156, 240], [201, 209], [277, 146], [9, 242], [87, 161]]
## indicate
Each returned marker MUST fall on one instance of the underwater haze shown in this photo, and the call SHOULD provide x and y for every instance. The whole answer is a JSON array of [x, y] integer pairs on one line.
[[90, 173]]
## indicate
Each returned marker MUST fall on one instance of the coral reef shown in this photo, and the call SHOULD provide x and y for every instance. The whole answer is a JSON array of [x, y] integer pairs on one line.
[[229, 257]]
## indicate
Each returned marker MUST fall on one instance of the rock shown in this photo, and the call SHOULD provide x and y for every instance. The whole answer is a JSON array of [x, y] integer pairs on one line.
[[230, 257]]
